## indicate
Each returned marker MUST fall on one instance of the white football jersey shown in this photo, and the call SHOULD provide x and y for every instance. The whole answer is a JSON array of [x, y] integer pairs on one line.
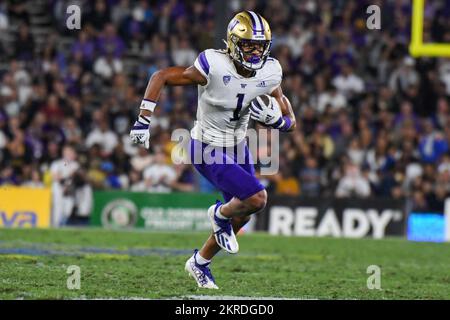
[[223, 113]]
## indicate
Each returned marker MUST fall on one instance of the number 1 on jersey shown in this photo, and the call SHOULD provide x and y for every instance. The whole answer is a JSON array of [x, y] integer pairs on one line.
[[240, 100]]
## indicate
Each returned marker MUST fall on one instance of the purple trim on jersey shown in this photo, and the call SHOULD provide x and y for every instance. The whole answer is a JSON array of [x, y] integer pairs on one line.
[[203, 62], [149, 100], [231, 178]]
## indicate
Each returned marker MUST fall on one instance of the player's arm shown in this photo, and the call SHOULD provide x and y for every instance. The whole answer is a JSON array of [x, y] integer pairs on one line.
[[288, 115], [172, 76]]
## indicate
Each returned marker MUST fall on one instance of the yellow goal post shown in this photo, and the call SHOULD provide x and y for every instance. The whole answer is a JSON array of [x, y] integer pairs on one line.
[[417, 48]]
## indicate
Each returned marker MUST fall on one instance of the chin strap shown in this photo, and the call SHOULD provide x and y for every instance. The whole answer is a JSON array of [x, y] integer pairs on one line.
[[226, 43]]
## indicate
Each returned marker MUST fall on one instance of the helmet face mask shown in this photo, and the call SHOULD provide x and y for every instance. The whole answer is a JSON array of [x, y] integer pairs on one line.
[[249, 40], [252, 54]]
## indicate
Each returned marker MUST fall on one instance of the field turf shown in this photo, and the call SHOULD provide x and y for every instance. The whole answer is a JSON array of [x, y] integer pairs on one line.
[[138, 264]]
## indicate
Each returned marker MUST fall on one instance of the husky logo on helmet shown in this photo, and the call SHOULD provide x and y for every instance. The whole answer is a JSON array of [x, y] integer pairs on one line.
[[249, 39]]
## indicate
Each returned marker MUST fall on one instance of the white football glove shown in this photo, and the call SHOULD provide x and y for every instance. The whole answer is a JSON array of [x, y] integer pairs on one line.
[[140, 133], [267, 112]]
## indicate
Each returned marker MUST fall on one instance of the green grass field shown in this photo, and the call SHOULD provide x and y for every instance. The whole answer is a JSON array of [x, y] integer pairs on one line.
[[132, 264]]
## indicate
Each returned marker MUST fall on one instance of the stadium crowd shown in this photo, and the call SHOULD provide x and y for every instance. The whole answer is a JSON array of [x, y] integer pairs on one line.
[[372, 121]]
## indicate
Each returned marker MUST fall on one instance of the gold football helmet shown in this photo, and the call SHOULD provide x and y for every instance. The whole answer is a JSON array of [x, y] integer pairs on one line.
[[249, 40]]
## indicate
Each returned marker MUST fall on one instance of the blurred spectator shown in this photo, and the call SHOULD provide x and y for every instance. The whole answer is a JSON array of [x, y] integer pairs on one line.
[[83, 49], [355, 153], [4, 19], [109, 43], [35, 180], [184, 180], [24, 44], [100, 14], [419, 202], [297, 38], [287, 183], [7, 177], [84, 198], [353, 183], [103, 136], [331, 99], [137, 184], [52, 110], [310, 177], [107, 66], [432, 145], [183, 54], [141, 160], [159, 176], [378, 158], [404, 76], [63, 171], [444, 73], [348, 83]]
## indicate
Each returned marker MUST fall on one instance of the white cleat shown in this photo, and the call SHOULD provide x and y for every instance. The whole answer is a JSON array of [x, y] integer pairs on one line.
[[223, 230], [201, 273]]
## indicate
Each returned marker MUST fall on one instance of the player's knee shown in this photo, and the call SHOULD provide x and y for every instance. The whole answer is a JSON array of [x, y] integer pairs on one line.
[[258, 201]]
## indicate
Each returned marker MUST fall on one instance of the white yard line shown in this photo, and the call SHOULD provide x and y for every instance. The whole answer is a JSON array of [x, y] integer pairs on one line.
[[200, 297], [208, 297]]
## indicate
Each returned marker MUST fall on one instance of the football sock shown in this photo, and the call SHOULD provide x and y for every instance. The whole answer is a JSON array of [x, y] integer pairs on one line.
[[200, 260], [219, 215]]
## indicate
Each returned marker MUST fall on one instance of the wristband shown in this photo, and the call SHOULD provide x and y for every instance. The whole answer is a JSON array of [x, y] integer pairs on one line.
[[148, 105], [283, 124]]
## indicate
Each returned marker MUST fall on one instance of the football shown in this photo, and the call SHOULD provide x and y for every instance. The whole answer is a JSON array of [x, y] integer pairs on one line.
[[266, 99], [272, 103]]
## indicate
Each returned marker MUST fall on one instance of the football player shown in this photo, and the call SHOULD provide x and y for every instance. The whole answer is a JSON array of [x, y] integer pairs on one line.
[[229, 84]]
